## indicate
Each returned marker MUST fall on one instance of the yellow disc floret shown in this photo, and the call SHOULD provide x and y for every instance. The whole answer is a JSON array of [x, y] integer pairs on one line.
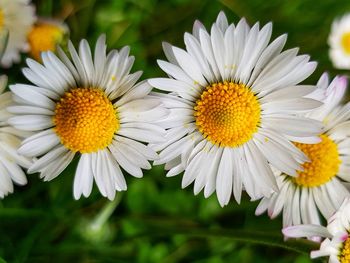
[[344, 256], [85, 120], [2, 22], [45, 37], [227, 114], [345, 42], [324, 163]]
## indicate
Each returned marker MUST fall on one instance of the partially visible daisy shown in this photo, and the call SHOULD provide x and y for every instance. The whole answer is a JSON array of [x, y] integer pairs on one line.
[[18, 16], [339, 42], [233, 101], [10, 160], [4, 37], [336, 244], [320, 185], [45, 35], [89, 107]]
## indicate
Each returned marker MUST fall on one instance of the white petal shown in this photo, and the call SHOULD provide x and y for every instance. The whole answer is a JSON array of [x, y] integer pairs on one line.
[[118, 151], [137, 92], [140, 135], [54, 169], [306, 231], [47, 159], [294, 126], [31, 122], [224, 179], [174, 86], [39, 145], [83, 177], [32, 96], [189, 65]]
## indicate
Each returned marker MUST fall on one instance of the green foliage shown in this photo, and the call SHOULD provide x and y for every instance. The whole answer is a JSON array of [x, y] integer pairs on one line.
[[157, 221]]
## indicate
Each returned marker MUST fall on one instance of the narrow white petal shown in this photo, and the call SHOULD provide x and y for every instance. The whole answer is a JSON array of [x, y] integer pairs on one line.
[[174, 86], [54, 169], [306, 231], [139, 147], [237, 180], [32, 96], [39, 145], [189, 65], [83, 177], [118, 151], [224, 179], [47, 159], [137, 92], [31, 122], [212, 171]]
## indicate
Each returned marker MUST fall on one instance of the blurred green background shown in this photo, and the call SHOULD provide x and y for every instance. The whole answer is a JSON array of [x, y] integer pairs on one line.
[[156, 221]]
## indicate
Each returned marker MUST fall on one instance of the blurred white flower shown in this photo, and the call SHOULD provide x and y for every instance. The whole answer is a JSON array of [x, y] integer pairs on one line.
[[339, 42], [336, 244], [321, 185], [10, 160], [46, 35], [18, 17]]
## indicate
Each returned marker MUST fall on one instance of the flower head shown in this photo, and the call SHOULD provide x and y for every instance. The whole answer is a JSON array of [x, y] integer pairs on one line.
[[339, 42], [89, 107], [336, 244], [45, 36], [233, 102], [18, 17], [320, 185], [10, 160]]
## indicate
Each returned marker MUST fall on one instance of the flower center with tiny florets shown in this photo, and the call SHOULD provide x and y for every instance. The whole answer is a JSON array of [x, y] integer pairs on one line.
[[324, 163], [44, 37], [85, 120], [227, 114], [344, 256], [345, 42], [2, 22]]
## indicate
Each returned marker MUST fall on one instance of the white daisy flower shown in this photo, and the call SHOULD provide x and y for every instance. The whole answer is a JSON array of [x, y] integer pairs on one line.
[[336, 244], [233, 101], [10, 160], [339, 42], [320, 185], [17, 16], [91, 108]]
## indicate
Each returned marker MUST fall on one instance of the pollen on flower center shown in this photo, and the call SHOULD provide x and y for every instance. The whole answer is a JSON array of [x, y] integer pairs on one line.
[[85, 120], [44, 37], [344, 256], [345, 42], [227, 114], [324, 163]]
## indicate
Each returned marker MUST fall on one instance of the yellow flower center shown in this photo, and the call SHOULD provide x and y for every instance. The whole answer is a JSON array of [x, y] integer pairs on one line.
[[324, 163], [345, 42], [344, 256], [85, 120], [227, 114], [2, 22], [44, 37]]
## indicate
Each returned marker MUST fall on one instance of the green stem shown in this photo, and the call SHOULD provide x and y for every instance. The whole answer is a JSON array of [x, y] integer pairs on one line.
[[252, 237], [167, 227], [106, 212], [261, 238]]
